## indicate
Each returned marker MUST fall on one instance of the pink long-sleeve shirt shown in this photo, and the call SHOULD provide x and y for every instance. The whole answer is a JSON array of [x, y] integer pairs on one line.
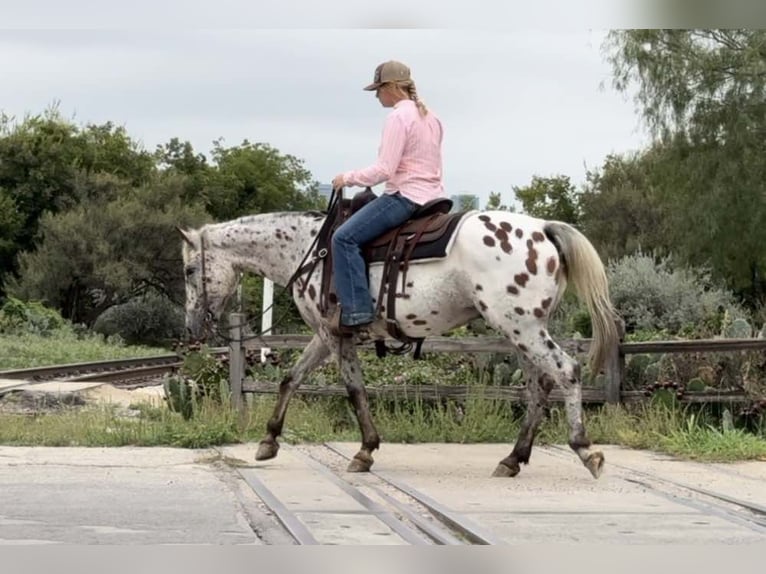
[[409, 156]]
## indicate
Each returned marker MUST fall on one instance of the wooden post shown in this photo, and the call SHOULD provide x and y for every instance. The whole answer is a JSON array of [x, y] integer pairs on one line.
[[615, 368], [236, 359]]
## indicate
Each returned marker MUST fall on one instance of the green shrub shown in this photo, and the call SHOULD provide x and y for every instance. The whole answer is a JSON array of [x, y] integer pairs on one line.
[[655, 295], [151, 320], [31, 317]]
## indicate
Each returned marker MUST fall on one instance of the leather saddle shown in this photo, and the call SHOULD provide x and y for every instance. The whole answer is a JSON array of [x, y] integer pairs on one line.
[[425, 235]]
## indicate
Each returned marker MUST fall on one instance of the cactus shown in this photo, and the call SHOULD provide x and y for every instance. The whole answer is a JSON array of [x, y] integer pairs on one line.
[[635, 370], [696, 385], [178, 393], [652, 373], [738, 329], [501, 375], [517, 378], [666, 397]]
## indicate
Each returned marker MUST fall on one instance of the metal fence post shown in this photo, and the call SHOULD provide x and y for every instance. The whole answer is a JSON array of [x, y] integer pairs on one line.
[[236, 359]]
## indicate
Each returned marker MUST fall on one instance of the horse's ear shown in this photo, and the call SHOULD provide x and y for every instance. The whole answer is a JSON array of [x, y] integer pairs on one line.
[[185, 236]]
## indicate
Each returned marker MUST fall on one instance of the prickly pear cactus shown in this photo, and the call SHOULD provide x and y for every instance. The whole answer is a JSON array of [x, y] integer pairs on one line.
[[635, 371], [501, 375], [738, 329], [652, 373], [696, 385], [517, 378]]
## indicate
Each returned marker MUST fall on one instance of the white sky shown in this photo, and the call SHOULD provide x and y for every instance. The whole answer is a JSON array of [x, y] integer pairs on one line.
[[514, 103]]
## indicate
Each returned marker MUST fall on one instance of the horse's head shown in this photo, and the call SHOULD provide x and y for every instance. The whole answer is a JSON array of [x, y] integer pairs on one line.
[[210, 280]]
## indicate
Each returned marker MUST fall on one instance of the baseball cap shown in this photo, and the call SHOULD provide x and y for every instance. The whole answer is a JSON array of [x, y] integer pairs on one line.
[[391, 71]]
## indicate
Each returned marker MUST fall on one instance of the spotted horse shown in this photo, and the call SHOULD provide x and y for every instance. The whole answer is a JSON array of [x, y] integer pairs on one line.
[[509, 268]]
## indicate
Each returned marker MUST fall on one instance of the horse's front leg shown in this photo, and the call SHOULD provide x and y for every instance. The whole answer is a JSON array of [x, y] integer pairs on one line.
[[351, 373], [313, 355]]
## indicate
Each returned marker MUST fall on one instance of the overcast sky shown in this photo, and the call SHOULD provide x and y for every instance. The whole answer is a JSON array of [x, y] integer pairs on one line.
[[514, 103]]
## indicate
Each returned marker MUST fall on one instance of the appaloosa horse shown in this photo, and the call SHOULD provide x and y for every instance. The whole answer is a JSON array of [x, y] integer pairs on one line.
[[509, 268]]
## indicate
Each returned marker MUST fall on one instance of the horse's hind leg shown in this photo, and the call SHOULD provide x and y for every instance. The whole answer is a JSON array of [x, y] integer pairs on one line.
[[313, 355], [565, 371], [578, 439], [538, 386], [535, 344], [351, 373]]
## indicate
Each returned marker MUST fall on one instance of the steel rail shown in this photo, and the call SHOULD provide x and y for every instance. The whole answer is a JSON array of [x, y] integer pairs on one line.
[[462, 525]]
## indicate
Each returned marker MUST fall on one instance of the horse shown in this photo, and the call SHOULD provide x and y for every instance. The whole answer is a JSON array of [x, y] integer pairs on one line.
[[509, 268]]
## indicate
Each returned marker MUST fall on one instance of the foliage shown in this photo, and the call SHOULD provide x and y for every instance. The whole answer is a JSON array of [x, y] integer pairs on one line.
[[17, 317], [550, 198], [257, 178], [495, 202], [43, 160], [67, 345], [703, 94], [657, 295], [150, 319], [94, 256], [620, 212]]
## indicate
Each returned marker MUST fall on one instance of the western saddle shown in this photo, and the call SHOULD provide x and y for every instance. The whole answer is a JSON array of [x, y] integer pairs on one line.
[[424, 236]]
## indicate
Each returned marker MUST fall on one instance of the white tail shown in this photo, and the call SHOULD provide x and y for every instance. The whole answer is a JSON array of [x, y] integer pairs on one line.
[[586, 272]]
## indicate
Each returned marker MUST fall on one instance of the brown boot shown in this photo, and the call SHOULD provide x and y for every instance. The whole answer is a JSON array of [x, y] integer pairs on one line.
[[340, 330]]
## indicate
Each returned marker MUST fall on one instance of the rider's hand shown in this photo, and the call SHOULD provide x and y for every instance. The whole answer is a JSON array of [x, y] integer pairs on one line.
[[337, 181]]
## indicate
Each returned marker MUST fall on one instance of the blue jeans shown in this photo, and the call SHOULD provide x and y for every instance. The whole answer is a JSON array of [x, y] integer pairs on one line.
[[380, 215]]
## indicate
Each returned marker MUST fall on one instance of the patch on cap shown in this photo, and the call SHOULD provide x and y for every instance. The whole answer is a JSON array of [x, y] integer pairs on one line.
[[391, 71]]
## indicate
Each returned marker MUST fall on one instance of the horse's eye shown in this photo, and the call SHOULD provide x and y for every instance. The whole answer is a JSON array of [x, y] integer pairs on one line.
[[190, 271]]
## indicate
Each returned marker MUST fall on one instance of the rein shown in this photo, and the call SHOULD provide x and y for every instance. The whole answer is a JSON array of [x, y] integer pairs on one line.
[[302, 269]]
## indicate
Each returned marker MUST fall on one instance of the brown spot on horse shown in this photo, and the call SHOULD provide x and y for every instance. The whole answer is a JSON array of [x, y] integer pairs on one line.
[[489, 241], [550, 265], [521, 279]]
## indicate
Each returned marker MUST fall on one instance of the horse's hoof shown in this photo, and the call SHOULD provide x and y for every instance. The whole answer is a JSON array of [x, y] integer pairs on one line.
[[505, 471], [360, 463], [267, 450], [595, 463]]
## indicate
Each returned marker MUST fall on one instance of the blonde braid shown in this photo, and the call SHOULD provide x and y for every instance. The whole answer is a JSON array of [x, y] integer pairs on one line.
[[413, 93], [407, 88]]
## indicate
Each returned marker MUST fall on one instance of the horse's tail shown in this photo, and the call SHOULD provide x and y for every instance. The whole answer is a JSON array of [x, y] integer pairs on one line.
[[584, 269]]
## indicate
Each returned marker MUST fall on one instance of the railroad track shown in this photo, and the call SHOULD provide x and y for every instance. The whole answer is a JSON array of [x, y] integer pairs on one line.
[[396, 508], [733, 509], [123, 372]]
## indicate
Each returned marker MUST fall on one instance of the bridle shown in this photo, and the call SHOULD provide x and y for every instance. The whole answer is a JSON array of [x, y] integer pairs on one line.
[[208, 324], [207, 321]]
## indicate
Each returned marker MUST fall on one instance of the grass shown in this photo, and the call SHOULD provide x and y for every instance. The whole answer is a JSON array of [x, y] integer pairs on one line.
[[674, 430], [331, 419], [30, 350]]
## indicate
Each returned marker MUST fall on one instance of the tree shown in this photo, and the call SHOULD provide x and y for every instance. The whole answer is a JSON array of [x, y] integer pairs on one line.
[[257, 178], [96, 255], [46, 166], [703, 94], [620, 212], [495, 203], [550, 198]]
